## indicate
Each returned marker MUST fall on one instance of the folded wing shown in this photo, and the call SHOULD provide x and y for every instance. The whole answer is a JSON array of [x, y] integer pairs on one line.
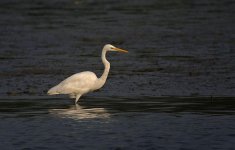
[[78, 83]]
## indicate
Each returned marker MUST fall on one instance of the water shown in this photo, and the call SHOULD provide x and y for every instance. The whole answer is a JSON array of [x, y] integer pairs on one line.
[[173, 90], [117, 123]]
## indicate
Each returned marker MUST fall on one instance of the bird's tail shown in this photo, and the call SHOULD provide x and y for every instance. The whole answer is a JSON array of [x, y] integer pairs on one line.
[[53, 91]]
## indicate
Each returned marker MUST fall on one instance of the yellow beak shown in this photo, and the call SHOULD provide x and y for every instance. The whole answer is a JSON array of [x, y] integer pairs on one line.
[[120, 50]]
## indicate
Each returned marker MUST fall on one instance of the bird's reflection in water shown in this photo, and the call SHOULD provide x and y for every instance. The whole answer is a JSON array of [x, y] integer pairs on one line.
[[79, 112]]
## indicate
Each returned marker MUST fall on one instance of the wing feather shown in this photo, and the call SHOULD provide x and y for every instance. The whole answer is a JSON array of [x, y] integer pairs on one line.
[[78, 83]]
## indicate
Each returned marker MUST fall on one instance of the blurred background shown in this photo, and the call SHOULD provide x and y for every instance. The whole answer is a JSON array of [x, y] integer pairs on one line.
[[176, 48]]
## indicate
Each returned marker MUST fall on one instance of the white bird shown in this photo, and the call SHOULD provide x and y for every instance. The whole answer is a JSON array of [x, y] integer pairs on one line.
[[84, 82]]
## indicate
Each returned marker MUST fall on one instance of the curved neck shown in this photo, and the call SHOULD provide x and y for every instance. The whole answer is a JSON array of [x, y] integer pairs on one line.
[[106, 66]]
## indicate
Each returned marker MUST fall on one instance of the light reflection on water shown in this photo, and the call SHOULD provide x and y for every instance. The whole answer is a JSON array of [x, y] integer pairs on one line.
[[104, 107], [78, 112], [117, 123]]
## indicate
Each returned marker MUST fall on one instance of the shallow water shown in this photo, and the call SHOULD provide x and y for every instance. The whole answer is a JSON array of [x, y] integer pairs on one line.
[[117, 123], [173, 90], [170, 43]]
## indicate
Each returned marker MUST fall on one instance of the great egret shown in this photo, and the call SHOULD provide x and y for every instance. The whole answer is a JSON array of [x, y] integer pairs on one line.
[[84, 82]]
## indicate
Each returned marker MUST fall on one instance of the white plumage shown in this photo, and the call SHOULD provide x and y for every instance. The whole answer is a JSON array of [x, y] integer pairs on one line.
[[78, 83], [84, 82]]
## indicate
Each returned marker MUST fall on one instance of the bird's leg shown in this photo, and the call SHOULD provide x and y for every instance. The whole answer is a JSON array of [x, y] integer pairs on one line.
[[77, 98]]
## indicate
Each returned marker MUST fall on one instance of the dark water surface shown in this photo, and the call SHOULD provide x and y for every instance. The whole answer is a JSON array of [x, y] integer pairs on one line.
[[175, 89], [117, 123]]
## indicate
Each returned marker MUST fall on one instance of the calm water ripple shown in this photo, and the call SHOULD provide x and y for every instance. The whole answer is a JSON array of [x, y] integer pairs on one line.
[[117, 123]]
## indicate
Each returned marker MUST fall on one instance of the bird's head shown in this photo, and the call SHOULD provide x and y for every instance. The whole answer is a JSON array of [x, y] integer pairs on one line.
[[109, 47]]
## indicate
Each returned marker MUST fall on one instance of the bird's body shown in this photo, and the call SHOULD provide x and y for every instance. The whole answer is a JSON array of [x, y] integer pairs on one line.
[[84, 82]]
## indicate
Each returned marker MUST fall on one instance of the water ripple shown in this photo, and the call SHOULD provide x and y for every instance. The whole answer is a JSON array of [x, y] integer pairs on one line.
[[104, 106]]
